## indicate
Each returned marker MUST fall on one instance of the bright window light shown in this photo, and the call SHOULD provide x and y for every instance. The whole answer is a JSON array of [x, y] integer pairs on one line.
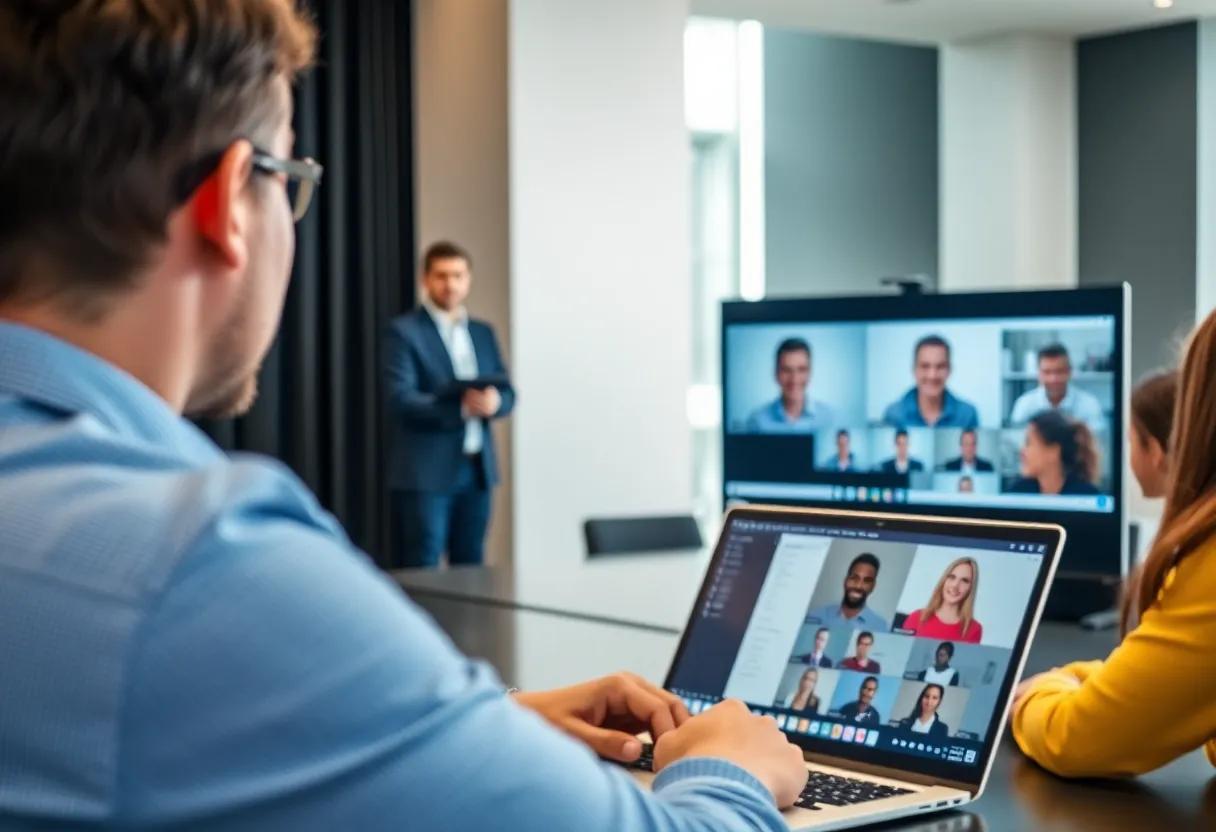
[[704, 405], [751, 160]]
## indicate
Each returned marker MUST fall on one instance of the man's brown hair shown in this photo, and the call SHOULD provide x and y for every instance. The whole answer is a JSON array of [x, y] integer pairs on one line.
[[444, 250], [108, 108]]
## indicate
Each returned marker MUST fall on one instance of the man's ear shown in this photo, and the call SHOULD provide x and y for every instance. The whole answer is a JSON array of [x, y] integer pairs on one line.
[[221, 213]]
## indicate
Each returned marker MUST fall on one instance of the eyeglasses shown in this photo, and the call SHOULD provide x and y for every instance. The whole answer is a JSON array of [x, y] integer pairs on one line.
[[303, 177]]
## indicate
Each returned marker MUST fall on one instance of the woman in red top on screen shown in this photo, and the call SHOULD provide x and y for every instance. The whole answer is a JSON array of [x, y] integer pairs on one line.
[[950, 613]]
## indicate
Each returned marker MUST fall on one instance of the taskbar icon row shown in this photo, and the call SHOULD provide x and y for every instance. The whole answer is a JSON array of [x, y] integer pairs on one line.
[[794, 724]]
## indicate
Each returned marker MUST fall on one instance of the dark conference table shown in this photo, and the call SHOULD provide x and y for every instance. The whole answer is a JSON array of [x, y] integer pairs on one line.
[[537, 650]]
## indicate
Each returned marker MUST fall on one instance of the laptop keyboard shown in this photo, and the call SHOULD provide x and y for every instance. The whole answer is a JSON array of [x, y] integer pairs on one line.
[[832, 790], [821, 789]]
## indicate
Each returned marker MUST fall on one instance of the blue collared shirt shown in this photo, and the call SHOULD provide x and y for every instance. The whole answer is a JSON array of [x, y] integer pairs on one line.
[[833, 616], [772, 418], [904, 412], [454, 332], [190, 641]]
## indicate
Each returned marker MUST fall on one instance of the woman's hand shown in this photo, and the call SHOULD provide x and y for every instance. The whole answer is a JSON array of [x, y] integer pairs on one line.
[[1025, 686]]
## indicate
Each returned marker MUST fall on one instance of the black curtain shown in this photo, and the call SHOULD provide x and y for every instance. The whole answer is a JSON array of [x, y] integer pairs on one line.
[[321, 406]]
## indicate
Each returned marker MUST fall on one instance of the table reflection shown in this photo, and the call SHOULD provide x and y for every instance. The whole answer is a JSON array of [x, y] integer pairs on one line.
[[1111, 806]]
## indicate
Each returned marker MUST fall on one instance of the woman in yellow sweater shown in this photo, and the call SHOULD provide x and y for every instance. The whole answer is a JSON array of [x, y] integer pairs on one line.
[[1154, 698]]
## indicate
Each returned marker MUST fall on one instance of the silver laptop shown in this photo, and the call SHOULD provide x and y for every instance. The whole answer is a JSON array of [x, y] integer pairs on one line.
[[886, 646]]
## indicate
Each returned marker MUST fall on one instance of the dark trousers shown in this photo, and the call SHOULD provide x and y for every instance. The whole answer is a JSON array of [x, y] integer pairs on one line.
[[447, 521]]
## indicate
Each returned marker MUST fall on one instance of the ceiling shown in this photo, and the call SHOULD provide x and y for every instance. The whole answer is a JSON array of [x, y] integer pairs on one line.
[[941, 21]]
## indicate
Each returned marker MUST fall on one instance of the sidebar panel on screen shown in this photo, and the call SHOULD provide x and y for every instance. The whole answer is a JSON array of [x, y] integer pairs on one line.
[[713, 637], [777, 618]]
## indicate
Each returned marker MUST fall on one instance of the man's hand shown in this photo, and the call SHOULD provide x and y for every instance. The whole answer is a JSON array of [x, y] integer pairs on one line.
[[483, 404], [729, 731], [609, 713]]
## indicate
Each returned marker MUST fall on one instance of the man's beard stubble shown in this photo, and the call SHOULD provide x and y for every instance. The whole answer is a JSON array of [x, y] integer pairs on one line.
[[229, 380]]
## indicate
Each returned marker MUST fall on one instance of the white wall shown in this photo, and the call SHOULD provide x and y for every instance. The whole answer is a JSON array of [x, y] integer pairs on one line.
[[600, 264], [1205, 278], [1008, 164], [461, 174]]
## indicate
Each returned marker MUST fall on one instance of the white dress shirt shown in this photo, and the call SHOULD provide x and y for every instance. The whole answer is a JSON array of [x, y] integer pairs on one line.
[[1077, 404], [454, 330], [941, 677]]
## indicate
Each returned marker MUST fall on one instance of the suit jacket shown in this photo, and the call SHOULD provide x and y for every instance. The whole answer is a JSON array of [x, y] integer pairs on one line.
[[809, 658], [981, 465], [914, 466], [427, 431]]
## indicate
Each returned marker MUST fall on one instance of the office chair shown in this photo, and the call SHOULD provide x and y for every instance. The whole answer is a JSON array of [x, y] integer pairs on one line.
[[624, 535]]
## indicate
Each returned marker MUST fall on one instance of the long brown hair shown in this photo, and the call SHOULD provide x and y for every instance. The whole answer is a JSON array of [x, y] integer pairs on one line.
[[1189, 517], [1153, 407], [966, 611], [1078, 451]]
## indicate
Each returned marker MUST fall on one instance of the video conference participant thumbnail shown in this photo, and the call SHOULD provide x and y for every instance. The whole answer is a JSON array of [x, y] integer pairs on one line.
[[1058, 456], [978, 484], [864, 698], [940, 671], [817, 656], [844, 458], [794, 410], [951, 664], [930, 403], [930, 709], [1057, 392], [943, 598], [859, 586], [806, 691], [906, 450], [967, 459]]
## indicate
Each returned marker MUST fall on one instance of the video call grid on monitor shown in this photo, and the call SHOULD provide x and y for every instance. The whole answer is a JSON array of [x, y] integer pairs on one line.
[[795, 620], [860, 437]]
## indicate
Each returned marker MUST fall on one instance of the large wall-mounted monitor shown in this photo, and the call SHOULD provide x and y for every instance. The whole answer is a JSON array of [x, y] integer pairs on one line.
[[950, 404]]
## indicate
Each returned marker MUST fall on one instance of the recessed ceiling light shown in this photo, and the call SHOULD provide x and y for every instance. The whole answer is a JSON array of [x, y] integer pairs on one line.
[[1163, 4]]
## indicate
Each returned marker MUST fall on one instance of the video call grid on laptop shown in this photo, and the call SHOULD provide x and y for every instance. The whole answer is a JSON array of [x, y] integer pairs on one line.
[[824, 620]]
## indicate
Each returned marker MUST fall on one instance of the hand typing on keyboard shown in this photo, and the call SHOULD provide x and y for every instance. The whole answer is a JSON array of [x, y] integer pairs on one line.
[[729, 731], [609, 713]]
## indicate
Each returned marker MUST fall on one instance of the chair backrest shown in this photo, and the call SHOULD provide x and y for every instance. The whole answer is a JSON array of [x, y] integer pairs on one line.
[[621, 535]]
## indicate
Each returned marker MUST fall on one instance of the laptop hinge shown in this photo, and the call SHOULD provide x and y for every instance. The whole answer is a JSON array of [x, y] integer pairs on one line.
[[890, 773]]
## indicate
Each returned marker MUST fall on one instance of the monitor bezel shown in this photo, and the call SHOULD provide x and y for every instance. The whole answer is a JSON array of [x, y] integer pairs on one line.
[[966, 776], [1104, 533]]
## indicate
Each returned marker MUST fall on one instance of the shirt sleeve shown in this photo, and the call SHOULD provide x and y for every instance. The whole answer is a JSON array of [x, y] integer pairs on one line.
[[283, 683], [1152, 701]]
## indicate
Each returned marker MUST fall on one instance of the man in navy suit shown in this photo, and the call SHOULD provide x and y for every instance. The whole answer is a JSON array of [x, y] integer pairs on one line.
[[444, 466], [969, 461]]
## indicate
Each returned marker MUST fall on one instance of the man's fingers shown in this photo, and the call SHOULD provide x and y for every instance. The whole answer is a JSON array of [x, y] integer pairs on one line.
[[631, 698], [609, 744], [679, 711]]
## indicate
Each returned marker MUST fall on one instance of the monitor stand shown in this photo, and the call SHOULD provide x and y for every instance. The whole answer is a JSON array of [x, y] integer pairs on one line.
[[1079, 599], [1109, 617]]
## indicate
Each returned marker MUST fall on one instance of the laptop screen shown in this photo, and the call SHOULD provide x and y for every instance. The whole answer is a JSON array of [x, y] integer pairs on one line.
[[894, 641]]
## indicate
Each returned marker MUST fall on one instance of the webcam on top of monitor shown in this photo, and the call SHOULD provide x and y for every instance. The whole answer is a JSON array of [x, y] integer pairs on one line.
[[911, 284]]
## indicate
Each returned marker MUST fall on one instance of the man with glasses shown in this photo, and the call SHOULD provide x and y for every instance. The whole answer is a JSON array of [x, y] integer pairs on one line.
[[188, 640]]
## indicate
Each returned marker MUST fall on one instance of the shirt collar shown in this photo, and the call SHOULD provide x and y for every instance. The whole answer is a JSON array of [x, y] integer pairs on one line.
[[949, 402], [1065, 404], [442, 319], [808, 409], [40, 368]]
